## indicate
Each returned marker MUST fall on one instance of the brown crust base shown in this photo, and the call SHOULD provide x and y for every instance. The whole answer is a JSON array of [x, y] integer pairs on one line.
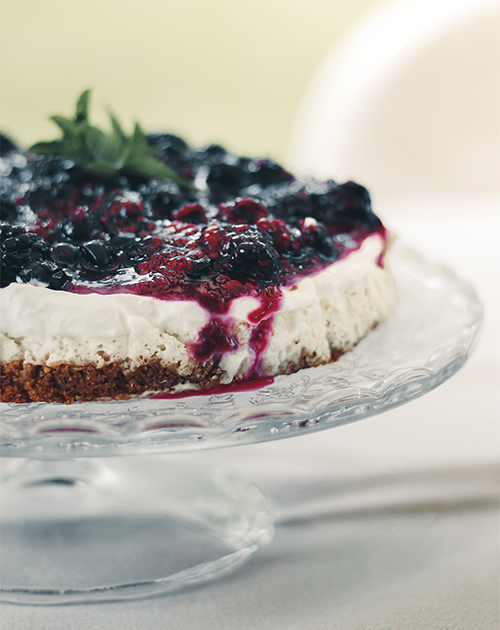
[[309, 360], [25, 382]]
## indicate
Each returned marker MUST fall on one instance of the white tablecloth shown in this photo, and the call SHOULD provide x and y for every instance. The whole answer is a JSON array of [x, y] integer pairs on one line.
[[389, 523]]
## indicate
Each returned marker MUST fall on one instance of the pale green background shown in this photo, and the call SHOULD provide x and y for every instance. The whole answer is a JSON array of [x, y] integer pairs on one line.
[[227, 71]]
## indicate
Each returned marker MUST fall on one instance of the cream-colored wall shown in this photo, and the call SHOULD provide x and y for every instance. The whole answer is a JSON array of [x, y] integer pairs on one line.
[[227, 71]]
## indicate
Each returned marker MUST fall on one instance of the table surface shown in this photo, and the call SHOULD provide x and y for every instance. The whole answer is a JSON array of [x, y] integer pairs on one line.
[[387, 523]]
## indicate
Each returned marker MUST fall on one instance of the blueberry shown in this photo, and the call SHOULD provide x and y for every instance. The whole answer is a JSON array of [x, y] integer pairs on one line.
[[174, 152], [211, 154], [51, 177], [249, 221], [66, 254], [97, 256]]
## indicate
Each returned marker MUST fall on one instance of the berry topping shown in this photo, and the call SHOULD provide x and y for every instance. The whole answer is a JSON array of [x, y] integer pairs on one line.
[[281, 236], [44, 273], [66, 255], [6, 145], [246, 210], [249, 227], [97, 256], [194, 213], [228, 176], [250, 253], [316, 237]]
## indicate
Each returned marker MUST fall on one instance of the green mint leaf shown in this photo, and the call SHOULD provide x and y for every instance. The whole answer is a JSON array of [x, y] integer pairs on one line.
[[67, 126], [155, 169], [47, 148], [118, 132], [107, 154], [102, 169], [104, 148], [82, 107], [139, 144]]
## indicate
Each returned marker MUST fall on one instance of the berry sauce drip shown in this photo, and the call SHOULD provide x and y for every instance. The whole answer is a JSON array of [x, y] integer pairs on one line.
[[248, 228]]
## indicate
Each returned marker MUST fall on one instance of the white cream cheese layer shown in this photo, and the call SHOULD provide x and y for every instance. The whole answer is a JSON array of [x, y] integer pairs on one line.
[[333, 309], [336, 307]]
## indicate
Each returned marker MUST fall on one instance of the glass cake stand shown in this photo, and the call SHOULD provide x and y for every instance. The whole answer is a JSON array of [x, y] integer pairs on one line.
[[79, 525]]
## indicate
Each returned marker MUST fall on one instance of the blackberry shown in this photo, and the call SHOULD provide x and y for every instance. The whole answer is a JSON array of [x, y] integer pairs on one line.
[[174, 152], [192, 213], [8, 211], [140, 251], [212, 153], [50, 177], [251, 253], [355, 205], [7, 230], [317, 238], [163, 197], [44, 273], [267, 173], [199, 268], [19, 251], [121, 241], [228, 176], [245, 210], [168, 142], [289, 203], [284, 240]]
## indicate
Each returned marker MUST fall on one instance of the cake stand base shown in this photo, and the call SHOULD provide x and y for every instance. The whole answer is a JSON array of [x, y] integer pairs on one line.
[[85, 530]]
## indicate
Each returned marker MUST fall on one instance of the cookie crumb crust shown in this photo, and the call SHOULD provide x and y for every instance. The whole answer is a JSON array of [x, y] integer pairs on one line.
[[23, 382]]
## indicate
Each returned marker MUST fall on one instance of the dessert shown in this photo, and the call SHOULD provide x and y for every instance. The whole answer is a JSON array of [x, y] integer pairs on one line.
[[133, 266]]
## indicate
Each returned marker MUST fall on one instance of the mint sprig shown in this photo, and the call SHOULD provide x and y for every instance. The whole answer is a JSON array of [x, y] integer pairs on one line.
[[107, 154]]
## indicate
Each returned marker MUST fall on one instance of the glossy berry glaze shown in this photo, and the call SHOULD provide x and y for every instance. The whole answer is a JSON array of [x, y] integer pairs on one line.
[[250, 228]]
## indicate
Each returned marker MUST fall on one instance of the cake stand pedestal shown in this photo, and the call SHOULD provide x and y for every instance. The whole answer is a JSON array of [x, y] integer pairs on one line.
[[88, 530], [79, 524]]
